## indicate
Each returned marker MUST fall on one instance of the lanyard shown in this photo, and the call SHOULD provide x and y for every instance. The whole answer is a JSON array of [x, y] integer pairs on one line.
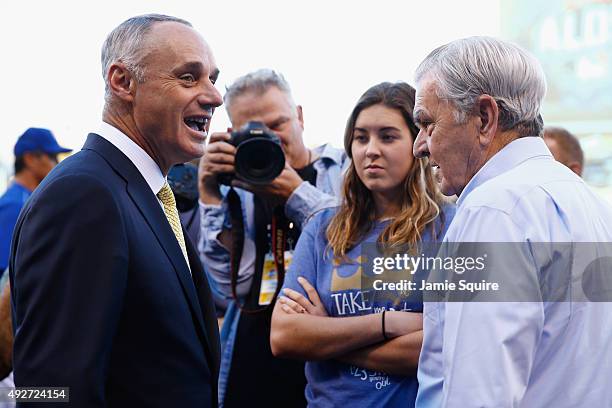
[[279, 240]]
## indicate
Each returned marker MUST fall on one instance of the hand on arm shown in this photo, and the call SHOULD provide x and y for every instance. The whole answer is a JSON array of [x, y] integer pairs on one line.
[[295, 302]]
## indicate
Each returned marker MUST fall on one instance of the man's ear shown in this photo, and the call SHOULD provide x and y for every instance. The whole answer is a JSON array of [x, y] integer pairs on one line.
[[300, 115], [575, 167], [488, 113], [121, 81], [29, 159]]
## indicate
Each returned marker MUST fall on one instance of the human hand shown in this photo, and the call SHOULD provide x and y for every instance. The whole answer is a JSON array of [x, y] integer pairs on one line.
[[295, 302], [217, 159], [278, 190]]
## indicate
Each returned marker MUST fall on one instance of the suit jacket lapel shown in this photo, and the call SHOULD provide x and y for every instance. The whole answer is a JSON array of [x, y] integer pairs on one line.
[[149, 206]]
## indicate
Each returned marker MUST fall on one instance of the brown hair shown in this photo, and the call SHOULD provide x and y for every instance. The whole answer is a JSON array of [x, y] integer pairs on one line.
[[568, 143], [421, 199]]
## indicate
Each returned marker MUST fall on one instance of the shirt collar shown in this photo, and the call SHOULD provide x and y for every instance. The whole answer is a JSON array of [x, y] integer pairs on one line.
[[327, 151], [513, 154], [21, 187], [143, 162]]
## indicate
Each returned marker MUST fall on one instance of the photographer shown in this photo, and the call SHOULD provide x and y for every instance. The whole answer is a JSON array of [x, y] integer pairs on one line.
[[309, 182]]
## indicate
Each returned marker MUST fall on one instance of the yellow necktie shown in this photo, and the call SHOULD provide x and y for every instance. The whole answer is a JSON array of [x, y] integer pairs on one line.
[[166, 196]]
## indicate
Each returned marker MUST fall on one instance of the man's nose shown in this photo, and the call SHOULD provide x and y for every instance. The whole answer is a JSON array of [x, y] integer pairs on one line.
[[210, 97], [420, 149]]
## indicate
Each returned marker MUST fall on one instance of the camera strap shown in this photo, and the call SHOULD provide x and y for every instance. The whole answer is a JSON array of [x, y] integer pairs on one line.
[[237, 233], [278, 243], [279, 240]]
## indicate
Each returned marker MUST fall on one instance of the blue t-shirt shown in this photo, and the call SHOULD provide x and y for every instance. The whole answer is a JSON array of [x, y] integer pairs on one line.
[[330, 382], [11, 203]]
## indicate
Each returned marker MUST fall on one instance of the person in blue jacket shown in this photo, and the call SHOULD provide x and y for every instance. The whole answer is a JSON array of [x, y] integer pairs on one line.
[[36, 153]]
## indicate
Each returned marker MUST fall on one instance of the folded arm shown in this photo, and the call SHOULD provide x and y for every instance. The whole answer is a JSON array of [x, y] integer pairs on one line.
[[310, 337], [302, 329], [398, 356]]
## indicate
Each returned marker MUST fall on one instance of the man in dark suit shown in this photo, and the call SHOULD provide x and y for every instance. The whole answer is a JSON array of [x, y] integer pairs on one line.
[[108, 297]]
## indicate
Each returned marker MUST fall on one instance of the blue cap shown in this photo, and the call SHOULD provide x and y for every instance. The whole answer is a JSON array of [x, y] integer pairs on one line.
[[38, 140]]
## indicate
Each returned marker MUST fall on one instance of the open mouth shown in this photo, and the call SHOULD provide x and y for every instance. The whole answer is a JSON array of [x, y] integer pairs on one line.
[[197, 123]]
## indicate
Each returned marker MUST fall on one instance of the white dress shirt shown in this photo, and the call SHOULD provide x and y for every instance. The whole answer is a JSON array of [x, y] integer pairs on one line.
[[141, 159]]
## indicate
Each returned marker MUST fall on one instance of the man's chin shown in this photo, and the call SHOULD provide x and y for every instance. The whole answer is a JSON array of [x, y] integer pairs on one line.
[[196, 149], [446, 188], [188, 155]]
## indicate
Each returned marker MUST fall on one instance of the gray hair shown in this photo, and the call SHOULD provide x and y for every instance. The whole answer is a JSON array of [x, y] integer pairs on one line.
[[468, 68], [256, 82], [126, 44]]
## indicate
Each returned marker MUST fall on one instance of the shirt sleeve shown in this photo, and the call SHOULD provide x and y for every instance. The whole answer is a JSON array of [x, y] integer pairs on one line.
[[305, 259], [306, 201], [212, 220], [216, 257]]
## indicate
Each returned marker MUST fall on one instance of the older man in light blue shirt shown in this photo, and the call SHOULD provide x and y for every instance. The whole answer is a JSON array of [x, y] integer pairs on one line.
[[478, 102]]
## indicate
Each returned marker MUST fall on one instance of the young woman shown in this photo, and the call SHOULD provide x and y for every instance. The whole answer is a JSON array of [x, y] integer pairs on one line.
[[328, 316]]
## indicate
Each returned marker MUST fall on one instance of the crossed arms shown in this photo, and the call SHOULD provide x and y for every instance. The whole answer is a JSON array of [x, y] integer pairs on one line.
[[301, 329]]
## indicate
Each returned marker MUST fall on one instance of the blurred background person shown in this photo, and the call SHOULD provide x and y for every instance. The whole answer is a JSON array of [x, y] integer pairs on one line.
[[309, 182], [353, 352], [36, 153], [565, 148], [183, 180]]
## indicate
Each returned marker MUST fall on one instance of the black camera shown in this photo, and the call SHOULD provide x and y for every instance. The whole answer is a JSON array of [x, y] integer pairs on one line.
[[259, 157]]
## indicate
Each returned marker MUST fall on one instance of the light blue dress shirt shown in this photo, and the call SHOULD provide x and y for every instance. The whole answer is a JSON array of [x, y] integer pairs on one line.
[[522, 354]]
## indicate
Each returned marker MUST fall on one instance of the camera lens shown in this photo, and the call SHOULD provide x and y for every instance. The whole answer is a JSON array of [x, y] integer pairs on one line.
[[259, 160]]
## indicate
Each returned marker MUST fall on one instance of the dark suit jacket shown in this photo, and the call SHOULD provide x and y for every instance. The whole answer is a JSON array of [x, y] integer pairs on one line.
[[102, 299]]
